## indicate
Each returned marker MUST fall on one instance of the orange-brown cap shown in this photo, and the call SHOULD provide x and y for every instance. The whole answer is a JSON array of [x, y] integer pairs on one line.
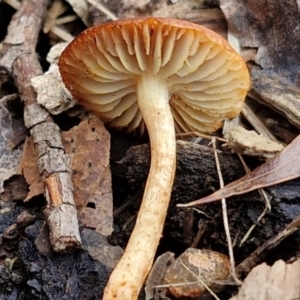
[[207, 80]]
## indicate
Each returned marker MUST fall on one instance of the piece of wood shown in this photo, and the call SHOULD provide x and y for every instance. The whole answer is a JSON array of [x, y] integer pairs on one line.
[[196, 170], [19, 56], [196, 177]]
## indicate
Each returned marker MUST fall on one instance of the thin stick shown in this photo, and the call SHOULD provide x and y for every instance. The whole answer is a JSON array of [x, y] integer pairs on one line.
[[201, 229], [205, 136], [225, 217], [257, 256]]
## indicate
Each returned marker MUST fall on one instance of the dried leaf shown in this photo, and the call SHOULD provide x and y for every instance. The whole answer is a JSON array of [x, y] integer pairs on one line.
[[280, 281], [156, 277], [271, 26], [271, 31], [283, 167], [9, 158], [28, 168], [276, 91], [88, 145]]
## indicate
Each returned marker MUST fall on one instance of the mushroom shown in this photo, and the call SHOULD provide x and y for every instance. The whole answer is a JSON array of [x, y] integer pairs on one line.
[[165, 74]]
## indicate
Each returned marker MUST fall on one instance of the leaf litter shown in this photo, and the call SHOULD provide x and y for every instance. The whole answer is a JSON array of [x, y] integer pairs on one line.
[[88, 146], [103, 176]]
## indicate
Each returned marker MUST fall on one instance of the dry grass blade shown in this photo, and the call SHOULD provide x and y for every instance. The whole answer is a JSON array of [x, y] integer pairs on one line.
[[225, 216]]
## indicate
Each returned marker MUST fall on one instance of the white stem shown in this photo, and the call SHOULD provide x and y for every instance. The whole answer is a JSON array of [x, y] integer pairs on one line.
[[131, 271]]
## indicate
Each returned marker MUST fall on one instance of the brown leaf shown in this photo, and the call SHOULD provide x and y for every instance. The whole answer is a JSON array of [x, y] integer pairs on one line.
[[271, 26], [270, 30], [283, 167], [88, 145], [28, 168], [277, 92], [280, 281]]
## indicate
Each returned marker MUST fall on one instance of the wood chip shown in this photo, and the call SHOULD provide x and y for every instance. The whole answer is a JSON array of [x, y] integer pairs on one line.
[[51, 92], [248, 142]]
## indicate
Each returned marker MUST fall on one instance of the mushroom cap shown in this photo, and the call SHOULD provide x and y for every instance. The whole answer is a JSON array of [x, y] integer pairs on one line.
[[207, 80]]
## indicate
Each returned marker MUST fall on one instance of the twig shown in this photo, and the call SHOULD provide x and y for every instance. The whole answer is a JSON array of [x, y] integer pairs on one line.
[[201, 229], [257, 256], [129, 220], [129, 201], [19, 56], [205, 136], [225, 217], [201, 212]]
